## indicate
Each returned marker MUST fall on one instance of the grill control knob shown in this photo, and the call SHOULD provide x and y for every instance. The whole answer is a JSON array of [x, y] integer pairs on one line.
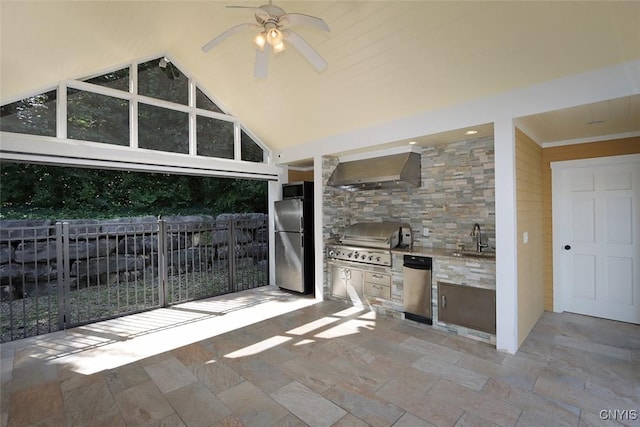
[[349, 254], [370, 257], [331, 253], [378, 259], [363, 257]]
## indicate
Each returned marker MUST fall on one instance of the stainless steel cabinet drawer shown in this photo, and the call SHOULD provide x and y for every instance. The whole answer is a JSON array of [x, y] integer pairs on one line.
[[379, 278], [377, 290]]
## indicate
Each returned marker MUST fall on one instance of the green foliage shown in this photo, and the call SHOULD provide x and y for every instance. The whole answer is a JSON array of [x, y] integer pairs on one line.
[[35, 115], [95, 117], [30, 191]]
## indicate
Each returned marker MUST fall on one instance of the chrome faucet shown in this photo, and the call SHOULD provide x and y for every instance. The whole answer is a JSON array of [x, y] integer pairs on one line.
[[478, 235]]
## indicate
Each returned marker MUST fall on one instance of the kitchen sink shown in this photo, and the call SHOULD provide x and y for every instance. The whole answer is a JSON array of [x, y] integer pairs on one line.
[[473, 254]]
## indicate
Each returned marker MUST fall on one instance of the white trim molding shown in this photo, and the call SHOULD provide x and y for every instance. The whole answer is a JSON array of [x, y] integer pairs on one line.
[[44, 149], [592, 139]]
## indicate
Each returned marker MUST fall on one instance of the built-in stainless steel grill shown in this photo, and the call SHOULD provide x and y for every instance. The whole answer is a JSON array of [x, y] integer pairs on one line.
[[360, 254], [370, 242]]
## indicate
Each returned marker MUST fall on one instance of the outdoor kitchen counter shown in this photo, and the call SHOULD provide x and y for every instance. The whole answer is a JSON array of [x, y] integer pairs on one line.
[[446, 253]]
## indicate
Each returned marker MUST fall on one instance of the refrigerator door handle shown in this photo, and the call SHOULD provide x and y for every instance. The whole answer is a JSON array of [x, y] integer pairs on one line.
[[301, 224], [302, 240]]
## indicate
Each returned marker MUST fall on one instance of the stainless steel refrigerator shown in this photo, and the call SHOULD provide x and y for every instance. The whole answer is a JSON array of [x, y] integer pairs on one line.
[[294, 244]]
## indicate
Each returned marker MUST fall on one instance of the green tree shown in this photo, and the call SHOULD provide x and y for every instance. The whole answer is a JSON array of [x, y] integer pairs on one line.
[[45, 191]]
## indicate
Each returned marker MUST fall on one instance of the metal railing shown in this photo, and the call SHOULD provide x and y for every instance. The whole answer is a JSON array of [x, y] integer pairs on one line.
[[69, 274]]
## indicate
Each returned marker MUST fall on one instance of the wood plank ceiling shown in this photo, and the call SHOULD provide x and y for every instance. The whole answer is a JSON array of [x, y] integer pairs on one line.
[[387, 59]]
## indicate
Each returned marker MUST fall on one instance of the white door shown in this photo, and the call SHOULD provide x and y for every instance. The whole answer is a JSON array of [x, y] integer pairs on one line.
[[596, 229]]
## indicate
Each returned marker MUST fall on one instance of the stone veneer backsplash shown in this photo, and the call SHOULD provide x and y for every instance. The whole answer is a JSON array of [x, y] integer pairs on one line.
[[457, 190]]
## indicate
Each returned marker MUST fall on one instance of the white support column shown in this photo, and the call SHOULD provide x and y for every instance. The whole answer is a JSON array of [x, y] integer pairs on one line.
[[318, 190], [506, 237]]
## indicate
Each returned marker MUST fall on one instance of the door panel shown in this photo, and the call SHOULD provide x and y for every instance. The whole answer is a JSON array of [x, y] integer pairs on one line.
[[619, 220], [467, 306], [347, 282], [582, 181], [355, 286], [583, 220], [596, 220], [584, 280], [619, 181], [338, 281], [620, 278], [288, 215], [289, 265]]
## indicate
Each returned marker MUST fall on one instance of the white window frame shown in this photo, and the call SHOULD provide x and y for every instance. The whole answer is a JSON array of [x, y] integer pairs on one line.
[[62, 150]]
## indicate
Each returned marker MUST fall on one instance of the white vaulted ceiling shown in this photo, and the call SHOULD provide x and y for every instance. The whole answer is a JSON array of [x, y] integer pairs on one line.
[[387, 59]]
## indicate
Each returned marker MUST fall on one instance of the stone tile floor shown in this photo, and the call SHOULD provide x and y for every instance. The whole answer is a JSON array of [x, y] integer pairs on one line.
[[266, 357]]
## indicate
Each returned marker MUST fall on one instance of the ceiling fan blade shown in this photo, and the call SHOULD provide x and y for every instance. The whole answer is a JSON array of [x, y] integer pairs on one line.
[[262, 57], [226, 34], [257, 10], [302, 19], [306, 50]]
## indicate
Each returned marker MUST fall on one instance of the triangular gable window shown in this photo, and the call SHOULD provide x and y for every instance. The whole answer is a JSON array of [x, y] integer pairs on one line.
[[35, 115], [251, 151], [203, 101], [118, 79], [156, 116], [160, 79]]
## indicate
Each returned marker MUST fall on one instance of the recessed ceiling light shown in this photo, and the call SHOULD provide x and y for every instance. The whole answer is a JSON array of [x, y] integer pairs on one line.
[[471, 132], [413, 142]]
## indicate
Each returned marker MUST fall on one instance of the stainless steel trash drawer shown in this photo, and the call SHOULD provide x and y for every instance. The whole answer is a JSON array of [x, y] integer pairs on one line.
[[467, 306]]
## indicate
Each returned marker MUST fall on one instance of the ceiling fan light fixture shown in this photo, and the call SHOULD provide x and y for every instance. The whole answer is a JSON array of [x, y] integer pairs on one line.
[[279, 47], [260, 40], [272, 26], [274, 36]]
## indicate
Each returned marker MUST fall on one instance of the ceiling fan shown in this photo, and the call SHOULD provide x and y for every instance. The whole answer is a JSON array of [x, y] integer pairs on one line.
[[272, 22]]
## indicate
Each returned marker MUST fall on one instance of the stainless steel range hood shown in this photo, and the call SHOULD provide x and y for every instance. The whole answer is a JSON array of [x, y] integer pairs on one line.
[[393, 171]]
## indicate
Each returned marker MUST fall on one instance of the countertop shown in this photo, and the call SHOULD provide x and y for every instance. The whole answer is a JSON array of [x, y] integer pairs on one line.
[[438, 253], [446, 253]]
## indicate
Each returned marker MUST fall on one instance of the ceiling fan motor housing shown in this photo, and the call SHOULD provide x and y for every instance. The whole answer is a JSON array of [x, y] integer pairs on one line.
[[271, 14]]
